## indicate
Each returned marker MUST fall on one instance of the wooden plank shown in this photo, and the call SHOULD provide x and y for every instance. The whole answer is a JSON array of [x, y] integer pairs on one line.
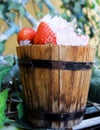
[[85, 124], [55, 86]]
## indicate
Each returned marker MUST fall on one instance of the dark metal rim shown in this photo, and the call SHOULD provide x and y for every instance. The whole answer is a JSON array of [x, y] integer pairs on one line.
[[53, 64], [50, 116]]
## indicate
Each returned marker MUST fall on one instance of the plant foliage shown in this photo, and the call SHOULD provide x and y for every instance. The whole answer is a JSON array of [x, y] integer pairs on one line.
[[3, 106]]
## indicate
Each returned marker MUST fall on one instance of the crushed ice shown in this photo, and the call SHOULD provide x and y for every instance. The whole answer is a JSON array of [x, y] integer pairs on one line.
[[24, 42], [64, 31]]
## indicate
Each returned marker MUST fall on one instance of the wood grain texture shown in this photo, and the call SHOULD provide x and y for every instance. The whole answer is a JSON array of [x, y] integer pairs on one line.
[[55, 90]]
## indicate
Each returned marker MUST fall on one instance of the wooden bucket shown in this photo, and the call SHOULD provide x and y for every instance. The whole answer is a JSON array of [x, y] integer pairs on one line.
[[55, 81]]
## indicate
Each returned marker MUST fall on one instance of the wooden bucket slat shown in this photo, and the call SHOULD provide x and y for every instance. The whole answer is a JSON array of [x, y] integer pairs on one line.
[[28, 74], [20, 55], [87, 74], [55, 85], [41, 77], [25, 74], [69, 80]]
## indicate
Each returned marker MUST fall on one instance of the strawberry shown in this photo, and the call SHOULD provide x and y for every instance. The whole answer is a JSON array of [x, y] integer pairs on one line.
[[44, 35], [26, 35]]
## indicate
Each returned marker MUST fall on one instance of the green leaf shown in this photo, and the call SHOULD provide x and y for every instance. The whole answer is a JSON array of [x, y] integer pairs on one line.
[[20, 110], [11, 16], [77, 7], [6, 67], [10, 128], [3, 72], [9, 59], [39, 14], [22, 10], [95, 80], [97, 62], [40, 5], [13, 73], [2, 7], [18, 7], [13, 5], [3, 106], [65, 1], [98, 2], [64, 15], [2, 46], [92, 6], [94, 93]]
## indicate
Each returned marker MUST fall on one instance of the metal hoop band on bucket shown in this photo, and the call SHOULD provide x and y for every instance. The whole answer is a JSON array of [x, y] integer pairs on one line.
[[63, 65], [50, 116]]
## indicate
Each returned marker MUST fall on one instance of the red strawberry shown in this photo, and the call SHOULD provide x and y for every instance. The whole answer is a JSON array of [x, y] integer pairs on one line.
[[44, 34], [26, 34]]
